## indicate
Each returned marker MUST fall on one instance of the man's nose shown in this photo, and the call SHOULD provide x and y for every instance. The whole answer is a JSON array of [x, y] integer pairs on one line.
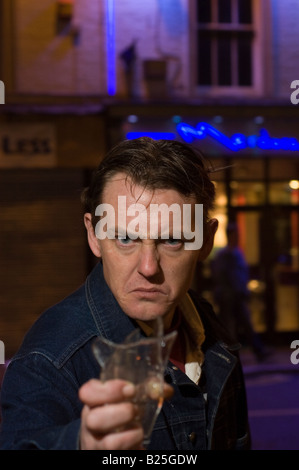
[[149, 260]]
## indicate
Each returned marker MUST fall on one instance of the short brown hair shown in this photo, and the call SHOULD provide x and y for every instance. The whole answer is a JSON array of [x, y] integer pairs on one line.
[[154, 164]]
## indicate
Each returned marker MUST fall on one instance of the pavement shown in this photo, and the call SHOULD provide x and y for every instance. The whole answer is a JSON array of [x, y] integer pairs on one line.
[[273, 398]]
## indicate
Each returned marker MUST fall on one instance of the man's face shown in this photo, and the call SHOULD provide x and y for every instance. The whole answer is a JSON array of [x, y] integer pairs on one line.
[[148, 276]]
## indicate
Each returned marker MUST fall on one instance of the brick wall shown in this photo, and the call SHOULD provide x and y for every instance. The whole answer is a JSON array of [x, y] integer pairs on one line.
[[61, 62], [285, 21], [43, 246], [160, 31], [73, 60]]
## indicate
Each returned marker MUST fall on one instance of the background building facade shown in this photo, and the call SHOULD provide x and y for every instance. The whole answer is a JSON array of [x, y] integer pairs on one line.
[[80, 75]]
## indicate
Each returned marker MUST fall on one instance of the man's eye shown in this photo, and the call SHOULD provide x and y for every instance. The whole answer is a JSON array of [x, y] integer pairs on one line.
[[125, 240], [173, 242]]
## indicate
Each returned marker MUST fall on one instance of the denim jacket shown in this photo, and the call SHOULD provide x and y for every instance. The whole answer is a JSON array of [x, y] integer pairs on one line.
[[39, 396]]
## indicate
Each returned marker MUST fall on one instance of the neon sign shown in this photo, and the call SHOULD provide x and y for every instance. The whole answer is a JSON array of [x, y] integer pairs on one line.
[[110, 45], [235, 143]]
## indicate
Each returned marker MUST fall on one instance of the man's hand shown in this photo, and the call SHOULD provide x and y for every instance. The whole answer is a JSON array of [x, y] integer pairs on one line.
[[109, 420]]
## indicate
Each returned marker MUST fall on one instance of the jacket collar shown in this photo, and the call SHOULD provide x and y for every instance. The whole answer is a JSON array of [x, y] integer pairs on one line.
[[110, 320]]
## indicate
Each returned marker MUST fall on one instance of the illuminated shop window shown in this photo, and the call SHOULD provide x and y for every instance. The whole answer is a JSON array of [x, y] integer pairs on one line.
[[225, 35], [220, 213], [247, 193], [284, 192]]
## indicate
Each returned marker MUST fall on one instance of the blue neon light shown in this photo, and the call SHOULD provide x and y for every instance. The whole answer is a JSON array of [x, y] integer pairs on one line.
[[237, 141], [110, 45], [153, 135]]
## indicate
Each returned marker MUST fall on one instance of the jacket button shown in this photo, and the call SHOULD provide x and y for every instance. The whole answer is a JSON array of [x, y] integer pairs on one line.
[[192, 437]]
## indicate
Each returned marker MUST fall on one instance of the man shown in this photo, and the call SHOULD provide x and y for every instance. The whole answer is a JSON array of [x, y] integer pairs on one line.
[[230, 276], [51, 397]]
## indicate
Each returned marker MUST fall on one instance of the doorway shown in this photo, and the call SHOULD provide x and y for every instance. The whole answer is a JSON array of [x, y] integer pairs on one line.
[[269, 238]]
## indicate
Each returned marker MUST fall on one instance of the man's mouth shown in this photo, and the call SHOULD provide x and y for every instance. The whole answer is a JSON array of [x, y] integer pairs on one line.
[[148, 292]]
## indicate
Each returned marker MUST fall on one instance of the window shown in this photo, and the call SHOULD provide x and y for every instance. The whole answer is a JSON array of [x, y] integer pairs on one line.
[[225, 33]]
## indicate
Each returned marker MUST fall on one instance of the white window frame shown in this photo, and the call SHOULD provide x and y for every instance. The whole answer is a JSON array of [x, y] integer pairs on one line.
[[256, 89]]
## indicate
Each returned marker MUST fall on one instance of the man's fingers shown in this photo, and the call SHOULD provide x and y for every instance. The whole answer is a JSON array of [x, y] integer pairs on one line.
[[95, 393], [111, 418]]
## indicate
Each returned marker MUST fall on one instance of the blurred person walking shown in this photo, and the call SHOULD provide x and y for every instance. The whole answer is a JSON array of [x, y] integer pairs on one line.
[[230, 276]]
